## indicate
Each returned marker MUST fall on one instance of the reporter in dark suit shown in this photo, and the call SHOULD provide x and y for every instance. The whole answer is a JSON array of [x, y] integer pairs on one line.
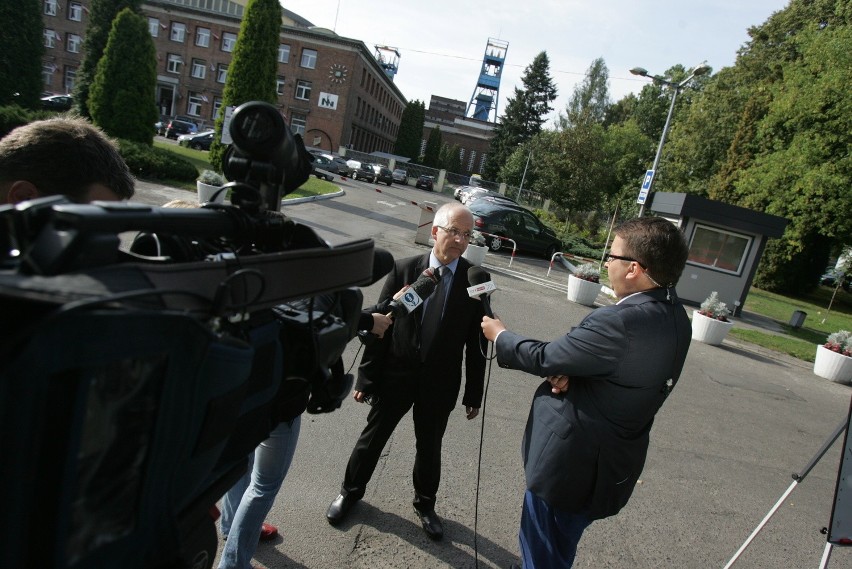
[[401, 371], [587, 433]]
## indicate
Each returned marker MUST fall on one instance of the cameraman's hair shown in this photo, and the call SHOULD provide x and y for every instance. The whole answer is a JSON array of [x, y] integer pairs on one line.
[[657, 244], [64, 155]]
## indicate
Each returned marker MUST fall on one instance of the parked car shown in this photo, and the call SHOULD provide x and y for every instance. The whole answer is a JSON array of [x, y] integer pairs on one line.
[[177, 128], [198, 141], [334, 164], [425, 182], [500, 219], [383, 175], [483, 194], [57, 102], [400, 176], [461, 191], [353, 165], [832, 276], [160, 127], [365, 172]]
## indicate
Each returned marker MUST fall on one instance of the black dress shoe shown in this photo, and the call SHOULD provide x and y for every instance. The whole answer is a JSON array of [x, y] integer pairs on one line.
[[338, 509], [515, 566], [431, 524]]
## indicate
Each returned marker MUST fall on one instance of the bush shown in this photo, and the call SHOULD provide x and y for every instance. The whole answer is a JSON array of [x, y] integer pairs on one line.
[[13, 116], [155, 163]]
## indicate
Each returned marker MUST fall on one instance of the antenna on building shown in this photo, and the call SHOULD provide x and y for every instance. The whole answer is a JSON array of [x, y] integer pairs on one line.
[[388, 58], [484, 98]]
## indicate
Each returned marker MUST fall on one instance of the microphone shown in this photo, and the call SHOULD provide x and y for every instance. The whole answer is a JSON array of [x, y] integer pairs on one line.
[[422, 288], [482, 287]]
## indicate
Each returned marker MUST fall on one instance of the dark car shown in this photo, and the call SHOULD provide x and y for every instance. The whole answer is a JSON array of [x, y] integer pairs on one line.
[[502, 219], [383, 175], [199, 141], [57, 102], [176, 128], [425, 182], [365, 172]]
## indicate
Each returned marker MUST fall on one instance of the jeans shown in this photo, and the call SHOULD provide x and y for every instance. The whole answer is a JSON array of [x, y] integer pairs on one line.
[[245, 506], [549, 537]]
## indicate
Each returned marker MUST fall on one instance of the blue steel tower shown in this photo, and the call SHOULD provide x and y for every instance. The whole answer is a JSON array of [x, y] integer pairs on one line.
[[484, 98]]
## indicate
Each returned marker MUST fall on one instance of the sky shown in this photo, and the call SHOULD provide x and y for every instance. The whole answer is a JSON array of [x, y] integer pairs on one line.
[[442, 42]]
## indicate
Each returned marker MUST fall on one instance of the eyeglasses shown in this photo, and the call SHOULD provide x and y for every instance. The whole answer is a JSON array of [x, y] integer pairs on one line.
[[611, 257], [466, 235]]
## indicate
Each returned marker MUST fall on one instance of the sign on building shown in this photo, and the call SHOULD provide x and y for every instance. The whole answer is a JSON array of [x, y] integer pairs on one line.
[[327, 101]]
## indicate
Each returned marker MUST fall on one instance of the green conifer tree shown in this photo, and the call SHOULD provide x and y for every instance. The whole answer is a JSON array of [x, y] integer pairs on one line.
[[410, 130], [253, 69], [21, 46], [121, 98]]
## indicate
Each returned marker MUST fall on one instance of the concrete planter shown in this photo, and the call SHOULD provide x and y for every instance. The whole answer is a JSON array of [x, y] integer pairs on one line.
[[475, 254], [709, 330], [582, 291], [833, 366], [206, 191]]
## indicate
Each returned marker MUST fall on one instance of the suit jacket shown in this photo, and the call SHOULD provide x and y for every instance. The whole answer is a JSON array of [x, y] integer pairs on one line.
[[396, 357], [585, 449]]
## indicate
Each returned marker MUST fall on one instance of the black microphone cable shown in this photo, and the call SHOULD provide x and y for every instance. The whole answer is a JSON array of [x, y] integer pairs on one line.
[[490, 358]]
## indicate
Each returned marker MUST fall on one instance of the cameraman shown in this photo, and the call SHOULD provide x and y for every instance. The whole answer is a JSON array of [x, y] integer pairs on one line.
[[62, 156]]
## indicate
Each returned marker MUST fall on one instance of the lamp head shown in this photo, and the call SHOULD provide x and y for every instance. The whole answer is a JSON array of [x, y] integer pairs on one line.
[[641, 71], [701, 69]]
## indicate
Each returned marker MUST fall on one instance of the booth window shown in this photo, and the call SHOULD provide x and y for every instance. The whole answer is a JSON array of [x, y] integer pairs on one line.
[[718, 249]]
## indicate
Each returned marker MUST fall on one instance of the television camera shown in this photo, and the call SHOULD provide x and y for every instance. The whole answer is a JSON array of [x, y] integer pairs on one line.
[[135, 382]]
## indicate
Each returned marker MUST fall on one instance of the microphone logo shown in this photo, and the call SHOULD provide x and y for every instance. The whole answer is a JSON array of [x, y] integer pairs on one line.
[[411, 300]]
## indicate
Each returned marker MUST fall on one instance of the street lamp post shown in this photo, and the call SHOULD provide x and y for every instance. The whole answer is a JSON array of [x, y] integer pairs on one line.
[[524, 176], [676, 88]]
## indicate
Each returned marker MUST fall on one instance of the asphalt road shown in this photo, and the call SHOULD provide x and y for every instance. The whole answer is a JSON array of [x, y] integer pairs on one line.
[[723, 449]]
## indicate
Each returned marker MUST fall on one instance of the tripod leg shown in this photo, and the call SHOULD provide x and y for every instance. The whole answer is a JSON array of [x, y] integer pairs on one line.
[[826, 555], [760, 525]]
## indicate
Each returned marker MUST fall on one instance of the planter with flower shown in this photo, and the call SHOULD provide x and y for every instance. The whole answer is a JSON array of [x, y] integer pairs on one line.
[[208, 184], [834, 358], [584, 285], [710, 322]]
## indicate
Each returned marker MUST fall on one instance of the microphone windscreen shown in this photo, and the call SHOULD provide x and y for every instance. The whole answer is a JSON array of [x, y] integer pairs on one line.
[[476, 275], [382, 264]]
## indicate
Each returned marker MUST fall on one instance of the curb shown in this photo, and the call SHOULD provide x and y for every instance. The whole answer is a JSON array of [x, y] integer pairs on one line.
[[307, 199]]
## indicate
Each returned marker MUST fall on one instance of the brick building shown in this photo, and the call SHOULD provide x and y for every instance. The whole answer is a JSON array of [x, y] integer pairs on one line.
[[472, 136], [330, 89]]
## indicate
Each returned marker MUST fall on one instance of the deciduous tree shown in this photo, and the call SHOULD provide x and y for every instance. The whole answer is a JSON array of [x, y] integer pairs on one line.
[[22, 46]]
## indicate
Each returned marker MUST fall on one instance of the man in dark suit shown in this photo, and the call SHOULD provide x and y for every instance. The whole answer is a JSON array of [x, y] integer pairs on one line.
[[418, 364], [584, 447]]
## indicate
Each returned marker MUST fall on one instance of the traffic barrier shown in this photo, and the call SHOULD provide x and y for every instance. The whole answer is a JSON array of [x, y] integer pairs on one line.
[[512, 241]]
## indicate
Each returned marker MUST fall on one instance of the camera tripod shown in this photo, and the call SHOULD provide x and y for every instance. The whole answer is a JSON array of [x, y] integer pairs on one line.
[[841, 508]]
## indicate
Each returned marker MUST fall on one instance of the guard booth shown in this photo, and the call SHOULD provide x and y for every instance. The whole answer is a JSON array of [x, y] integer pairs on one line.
[[725, 245]]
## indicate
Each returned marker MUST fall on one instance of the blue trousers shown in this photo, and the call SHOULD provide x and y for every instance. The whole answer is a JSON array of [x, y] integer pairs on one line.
[[245, 506], [549, 537]]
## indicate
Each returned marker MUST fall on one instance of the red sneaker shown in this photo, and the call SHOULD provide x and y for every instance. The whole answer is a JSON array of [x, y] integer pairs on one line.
[[268, 532]]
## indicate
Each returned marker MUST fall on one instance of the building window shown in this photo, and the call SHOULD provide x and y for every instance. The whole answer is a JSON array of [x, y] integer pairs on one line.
[[50, 7], [202, 37], [303, 90], [279, 85], [173, 63], [49, 38], [228, 41], [70, 76], [217, 105], [472, 160], [309, 58], [154, 27], [193, 105], [297, 123], [47, 74], [199, 68], [718, 249], [75, 11], [73, 43], [283, 53], [178, 32], [222, 73]]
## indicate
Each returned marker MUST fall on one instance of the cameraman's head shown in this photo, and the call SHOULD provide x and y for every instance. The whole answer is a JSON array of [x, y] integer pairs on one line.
[[62, 155]]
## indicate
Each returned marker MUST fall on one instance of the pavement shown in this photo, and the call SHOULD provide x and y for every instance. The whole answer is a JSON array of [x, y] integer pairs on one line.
[[740, 420]]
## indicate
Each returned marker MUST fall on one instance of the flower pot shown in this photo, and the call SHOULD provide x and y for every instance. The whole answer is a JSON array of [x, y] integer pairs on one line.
[[582, 291], [709, 330], [832, 365], [475, 254], [206, 191]]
